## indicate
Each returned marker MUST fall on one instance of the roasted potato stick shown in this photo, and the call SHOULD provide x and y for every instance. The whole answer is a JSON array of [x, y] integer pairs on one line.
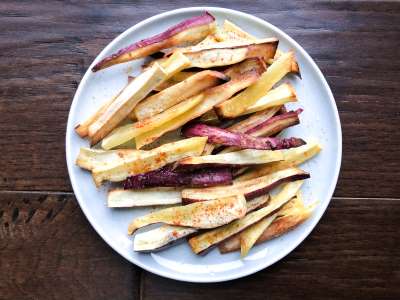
[[90, 159], [144, 197], [225, 137], [173, 95], [234, 32], [250, 235], [250, 189], [204, 241], [159, 238], [222, 54], [156, 239], [120, 108], [254, 63], [174, 64], [270, 127], [237, 158], [254, 120], [239, 103], [83, 128], [201, 215], [292, 157], [178, 77], [243, 127], [289, 217], [128, 132], [146, 161], [278, 96], [191, 30], [168, 177], [211, 98]]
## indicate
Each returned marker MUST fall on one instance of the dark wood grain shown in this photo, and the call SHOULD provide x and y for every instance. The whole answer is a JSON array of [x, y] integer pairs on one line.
[[352, 254], [49, 251], [45, 50]]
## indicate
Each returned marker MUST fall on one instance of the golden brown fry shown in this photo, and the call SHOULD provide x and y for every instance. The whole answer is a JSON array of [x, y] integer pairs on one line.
[[120, 108], [231, 53], [250, 235], [290, 216], [278, 96], [210, 97], [200, 215], [292, 157], [239, 103], [260, 185], [90, 159], [173, 95], [128, 132], [146, 161]]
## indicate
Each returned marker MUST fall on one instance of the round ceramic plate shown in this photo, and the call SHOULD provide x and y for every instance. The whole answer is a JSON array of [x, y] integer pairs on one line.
[[319, 120]]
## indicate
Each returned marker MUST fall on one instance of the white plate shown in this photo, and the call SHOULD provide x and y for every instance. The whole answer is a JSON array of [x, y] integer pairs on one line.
[[320, 120]]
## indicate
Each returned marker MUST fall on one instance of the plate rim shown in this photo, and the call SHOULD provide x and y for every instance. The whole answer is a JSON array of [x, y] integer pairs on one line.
[[249, 270]]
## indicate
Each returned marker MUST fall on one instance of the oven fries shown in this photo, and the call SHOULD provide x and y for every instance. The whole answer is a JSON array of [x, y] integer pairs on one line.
[[219, 93]]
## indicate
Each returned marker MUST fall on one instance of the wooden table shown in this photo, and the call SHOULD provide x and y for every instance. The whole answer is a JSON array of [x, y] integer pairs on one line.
[[48, 250]]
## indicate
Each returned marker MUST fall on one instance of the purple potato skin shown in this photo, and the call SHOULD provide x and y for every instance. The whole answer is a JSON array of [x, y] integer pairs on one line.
[[196, 21], [168, 177], [262, 191], [284, 120], [224, 137]]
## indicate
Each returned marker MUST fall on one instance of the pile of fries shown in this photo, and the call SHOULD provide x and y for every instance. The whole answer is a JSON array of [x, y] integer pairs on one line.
[[220, 89]]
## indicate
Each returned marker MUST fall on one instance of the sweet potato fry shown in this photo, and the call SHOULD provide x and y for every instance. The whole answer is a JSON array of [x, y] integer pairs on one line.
[[237, 70], [250, 235], [167, 177], [275, 124], [189, 31], [239, 103], [292, 157], [202, 215], [250, 188], [178, 77], [204, 241], [241, 140], [90, 159], [238, 158], [144, 197], [233, 32], [128, 132], [146, 161], [173, 95], [289, 217], [211, 98], [159, 238], [270, 127], [254, 120], [278, 96], [120, 108], [243, 126], [83, 128], [222, 54]]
